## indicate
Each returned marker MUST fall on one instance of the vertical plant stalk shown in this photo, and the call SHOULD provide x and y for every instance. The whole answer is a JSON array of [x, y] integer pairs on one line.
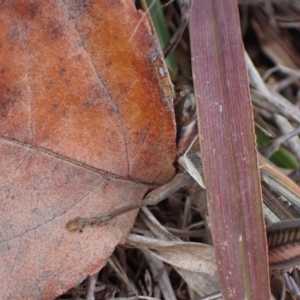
[[227, 144]]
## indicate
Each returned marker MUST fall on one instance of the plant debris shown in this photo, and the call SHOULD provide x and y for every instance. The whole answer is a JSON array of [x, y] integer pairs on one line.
[[169, 253]]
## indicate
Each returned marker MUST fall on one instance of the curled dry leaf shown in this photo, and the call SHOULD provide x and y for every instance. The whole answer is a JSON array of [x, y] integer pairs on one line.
[[86, 125], [194, 261]]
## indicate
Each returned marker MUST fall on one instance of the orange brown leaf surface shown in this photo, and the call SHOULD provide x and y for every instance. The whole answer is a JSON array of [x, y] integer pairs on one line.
[[86, 126]]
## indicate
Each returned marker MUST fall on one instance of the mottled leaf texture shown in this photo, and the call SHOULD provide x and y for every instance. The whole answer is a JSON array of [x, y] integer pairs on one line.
[[86, 125], [228, 151]]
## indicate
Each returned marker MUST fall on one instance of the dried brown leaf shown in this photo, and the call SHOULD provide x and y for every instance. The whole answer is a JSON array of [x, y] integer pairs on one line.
[[86, 125], [194, 261]]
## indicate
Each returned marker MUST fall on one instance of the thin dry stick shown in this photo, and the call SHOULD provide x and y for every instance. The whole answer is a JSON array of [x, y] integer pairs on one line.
[[152, 198], [184, 14], [91, 286], [115, 265], [286, 127], [271, 148]]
